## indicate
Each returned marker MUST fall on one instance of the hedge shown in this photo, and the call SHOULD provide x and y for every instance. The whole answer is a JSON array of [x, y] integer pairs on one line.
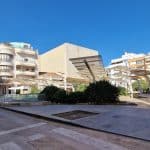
[[96, 93]]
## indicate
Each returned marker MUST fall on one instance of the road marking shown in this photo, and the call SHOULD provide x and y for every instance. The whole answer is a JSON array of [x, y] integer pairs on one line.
[[97, 143], [10, 146], [35, 137], [22, 128]]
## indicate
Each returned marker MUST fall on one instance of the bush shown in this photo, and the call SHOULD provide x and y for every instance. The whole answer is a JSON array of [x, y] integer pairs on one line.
[[96, 93], [81, 87], [123, 91], [34, 89], [141, 85], [76, 97], [60, 96], [102, 92], [48, 93]]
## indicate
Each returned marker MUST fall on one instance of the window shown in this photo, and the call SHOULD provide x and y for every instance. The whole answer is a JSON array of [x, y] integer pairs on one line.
[[5, 57], [26, 59], [140, 62]]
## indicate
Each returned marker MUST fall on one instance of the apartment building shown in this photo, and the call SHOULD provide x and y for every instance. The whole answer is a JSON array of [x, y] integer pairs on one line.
[[130, 67], [18, 67]]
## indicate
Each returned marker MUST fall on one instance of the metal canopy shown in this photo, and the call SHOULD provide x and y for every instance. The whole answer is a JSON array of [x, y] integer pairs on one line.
[[90, 67]]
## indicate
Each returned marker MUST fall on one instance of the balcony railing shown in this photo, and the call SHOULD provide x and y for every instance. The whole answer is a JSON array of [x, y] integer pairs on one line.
[[26, 63], [26, 51], [7, 51], [9, 73], [6, 63], [29, 73]]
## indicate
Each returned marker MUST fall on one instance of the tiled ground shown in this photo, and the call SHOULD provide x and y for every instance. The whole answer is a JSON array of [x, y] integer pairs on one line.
[[20, 132], [128, 120]]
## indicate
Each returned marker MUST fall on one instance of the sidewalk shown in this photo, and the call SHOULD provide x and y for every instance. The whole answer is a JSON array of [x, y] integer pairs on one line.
[[124, 120], [134, 100]]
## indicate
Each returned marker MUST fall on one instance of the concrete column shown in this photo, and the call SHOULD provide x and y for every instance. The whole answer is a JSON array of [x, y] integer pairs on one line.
[[65, 73]]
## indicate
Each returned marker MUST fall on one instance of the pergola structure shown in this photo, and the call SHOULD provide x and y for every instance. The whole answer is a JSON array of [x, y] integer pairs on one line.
[[90, 67], [140, 74]]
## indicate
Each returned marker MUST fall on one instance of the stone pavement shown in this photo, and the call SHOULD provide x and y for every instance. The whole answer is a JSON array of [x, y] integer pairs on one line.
[[144, 101], [127, 120], [21, 132]]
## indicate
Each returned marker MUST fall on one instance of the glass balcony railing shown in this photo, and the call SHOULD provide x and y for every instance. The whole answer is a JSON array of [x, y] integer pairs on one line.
[[18, 98]]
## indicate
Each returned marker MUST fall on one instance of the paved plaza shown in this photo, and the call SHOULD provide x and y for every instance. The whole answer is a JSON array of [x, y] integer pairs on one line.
[[21, 132], [127, 120]]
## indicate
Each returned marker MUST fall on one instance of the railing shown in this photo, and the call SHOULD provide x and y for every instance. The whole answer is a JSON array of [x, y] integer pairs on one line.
[[26, 51], [9, 73], [7, 51], [18, 98], [26, 73], [27, 63]]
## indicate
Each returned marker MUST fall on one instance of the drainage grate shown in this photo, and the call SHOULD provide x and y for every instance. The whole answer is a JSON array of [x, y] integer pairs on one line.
[[76, 114]]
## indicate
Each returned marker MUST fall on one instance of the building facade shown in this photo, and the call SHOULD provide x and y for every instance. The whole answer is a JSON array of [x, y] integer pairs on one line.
[[130, 67], [58, 59], [68, 60], [48, 78], [18, 65], [21, 67]]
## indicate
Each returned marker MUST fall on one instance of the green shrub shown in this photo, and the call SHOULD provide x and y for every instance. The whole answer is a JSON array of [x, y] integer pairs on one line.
[[48, 93], [34, 89], [96, 93], [76, 97], [60, 96], [102, 92], [81, 87], [141, 85], [123, 91]]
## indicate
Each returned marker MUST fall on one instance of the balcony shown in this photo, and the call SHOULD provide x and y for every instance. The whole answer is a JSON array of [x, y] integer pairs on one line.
[[10, 73], [6, 51], [26, 63], [26, 73], [6, 63], [26, 51]]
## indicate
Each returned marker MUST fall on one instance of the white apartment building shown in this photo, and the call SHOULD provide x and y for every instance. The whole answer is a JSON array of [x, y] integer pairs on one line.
[[125, 70], [18, 67]]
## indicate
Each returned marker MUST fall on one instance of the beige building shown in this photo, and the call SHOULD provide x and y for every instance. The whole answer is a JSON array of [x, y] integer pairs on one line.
[[18, 65], [58, 59]]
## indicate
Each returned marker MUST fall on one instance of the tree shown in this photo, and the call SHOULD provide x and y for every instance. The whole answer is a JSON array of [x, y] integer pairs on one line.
[[34, 89], [81, 87], [140, 85]]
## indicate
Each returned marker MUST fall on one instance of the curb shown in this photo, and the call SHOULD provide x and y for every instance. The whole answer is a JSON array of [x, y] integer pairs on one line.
[[71, 123]]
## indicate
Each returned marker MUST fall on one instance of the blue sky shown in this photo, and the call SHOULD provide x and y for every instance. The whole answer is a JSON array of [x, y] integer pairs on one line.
[[110, 26]]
